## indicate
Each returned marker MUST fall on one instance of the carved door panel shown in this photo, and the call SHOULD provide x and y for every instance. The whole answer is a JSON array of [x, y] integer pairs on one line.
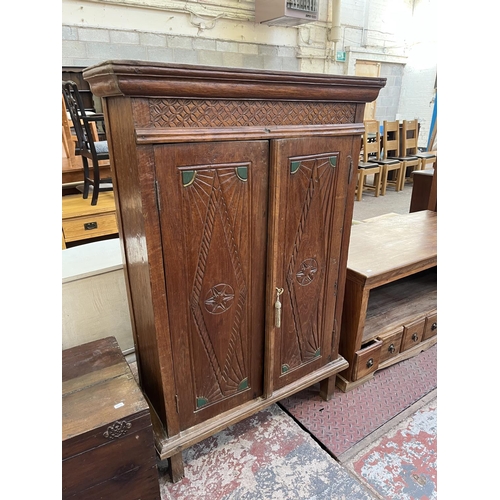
[[310, 186], [213, 212]]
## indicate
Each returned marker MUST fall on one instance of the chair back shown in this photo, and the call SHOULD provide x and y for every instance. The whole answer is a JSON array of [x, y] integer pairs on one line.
[[371, 140], [390, 140], [409, 138], [83, 125]]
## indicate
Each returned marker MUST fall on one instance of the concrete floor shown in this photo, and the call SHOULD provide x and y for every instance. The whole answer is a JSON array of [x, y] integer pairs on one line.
[[371, 206]]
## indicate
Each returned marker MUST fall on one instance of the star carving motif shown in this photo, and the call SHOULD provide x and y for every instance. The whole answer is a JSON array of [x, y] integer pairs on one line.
[[219, 298], [307, 272]]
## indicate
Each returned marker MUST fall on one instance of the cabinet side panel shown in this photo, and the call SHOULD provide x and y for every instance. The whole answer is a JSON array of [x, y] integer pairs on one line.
[[137, 216], [347, 225]]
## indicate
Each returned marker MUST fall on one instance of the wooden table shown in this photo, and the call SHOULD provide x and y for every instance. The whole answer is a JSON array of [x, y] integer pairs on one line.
[[390, 310], [82, 221], [72, 169]]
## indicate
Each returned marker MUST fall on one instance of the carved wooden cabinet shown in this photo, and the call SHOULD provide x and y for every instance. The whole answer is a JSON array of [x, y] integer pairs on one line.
[[234, 193]]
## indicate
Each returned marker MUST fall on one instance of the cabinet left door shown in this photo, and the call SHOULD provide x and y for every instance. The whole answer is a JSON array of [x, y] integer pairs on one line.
[[213, 201]]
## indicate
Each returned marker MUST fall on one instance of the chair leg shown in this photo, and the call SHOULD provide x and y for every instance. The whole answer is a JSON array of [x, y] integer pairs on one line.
[[361, 182], [385, 174], [97, 180], [376, 183], [86, 183], [398, 174], [403, 177]]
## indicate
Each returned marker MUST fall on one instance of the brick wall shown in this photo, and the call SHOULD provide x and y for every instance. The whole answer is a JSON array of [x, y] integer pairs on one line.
[[400, 35], [87, 46]]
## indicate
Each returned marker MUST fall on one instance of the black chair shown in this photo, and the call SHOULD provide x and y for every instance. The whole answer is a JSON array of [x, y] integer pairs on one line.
[[88, 144]]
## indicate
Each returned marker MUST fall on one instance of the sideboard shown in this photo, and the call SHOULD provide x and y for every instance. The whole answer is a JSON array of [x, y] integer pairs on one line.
[[234, 193], [390, 303]]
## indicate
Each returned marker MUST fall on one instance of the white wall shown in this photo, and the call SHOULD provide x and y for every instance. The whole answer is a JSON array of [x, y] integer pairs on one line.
[[94, 295]]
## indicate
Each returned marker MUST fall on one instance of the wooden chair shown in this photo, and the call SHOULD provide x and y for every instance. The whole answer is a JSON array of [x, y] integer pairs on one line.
[[370, 154], [88, 147], [390, 157], [427, 158], [409, 150]]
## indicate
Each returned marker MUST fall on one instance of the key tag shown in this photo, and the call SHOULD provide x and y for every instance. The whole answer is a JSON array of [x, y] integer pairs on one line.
[[277, 307]]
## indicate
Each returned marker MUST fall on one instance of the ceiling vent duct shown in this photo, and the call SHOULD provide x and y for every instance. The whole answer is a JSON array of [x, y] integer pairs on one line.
[[286, 12]]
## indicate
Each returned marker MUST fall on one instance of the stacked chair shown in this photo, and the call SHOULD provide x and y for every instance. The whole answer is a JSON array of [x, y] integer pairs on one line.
[[390, 157], [369, 156], [393, 159], [412, 158]]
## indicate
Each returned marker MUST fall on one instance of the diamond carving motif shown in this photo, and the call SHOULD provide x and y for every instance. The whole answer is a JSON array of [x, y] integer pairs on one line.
[[217, 310], [188, 113], [305, 275]]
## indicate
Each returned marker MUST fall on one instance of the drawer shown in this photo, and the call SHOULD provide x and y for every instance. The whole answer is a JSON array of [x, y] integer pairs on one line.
[[391, 345], [90, 226], [412, 334], [367, 359], [430, 328]]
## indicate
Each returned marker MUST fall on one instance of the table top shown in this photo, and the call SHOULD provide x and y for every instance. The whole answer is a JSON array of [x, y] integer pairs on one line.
[[73, 205], [391, 247]]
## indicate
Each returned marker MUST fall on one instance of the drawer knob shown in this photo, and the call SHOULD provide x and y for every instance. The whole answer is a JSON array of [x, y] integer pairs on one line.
[[391, 348], [90, 225], [414, 337], [369, 363], [434, 326]]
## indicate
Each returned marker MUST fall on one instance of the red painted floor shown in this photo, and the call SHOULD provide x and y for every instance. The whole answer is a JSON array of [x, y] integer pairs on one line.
[[274, 456], [265, 457], [403, 464]]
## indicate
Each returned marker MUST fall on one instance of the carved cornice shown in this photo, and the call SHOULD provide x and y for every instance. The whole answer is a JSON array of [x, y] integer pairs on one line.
[[234, 113]]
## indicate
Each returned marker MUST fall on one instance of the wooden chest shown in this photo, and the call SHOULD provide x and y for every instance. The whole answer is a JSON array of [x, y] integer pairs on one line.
[[107, 438]]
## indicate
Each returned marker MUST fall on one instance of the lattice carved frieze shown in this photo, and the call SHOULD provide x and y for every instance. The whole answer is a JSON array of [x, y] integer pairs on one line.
[[200, 113]]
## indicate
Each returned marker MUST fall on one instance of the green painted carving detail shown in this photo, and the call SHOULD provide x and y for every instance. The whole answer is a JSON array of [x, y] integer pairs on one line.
[[243, 384], [242, 173], [284, 368], [294, 166], [318, 352], [333, 161], [188, 177], [200, 401]]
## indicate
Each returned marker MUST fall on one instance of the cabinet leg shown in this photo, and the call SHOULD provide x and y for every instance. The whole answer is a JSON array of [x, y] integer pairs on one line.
[[326, 387], [175, 465]]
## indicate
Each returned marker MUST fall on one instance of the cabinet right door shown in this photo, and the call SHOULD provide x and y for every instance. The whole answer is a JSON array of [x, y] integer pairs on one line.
[[308, 195]]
